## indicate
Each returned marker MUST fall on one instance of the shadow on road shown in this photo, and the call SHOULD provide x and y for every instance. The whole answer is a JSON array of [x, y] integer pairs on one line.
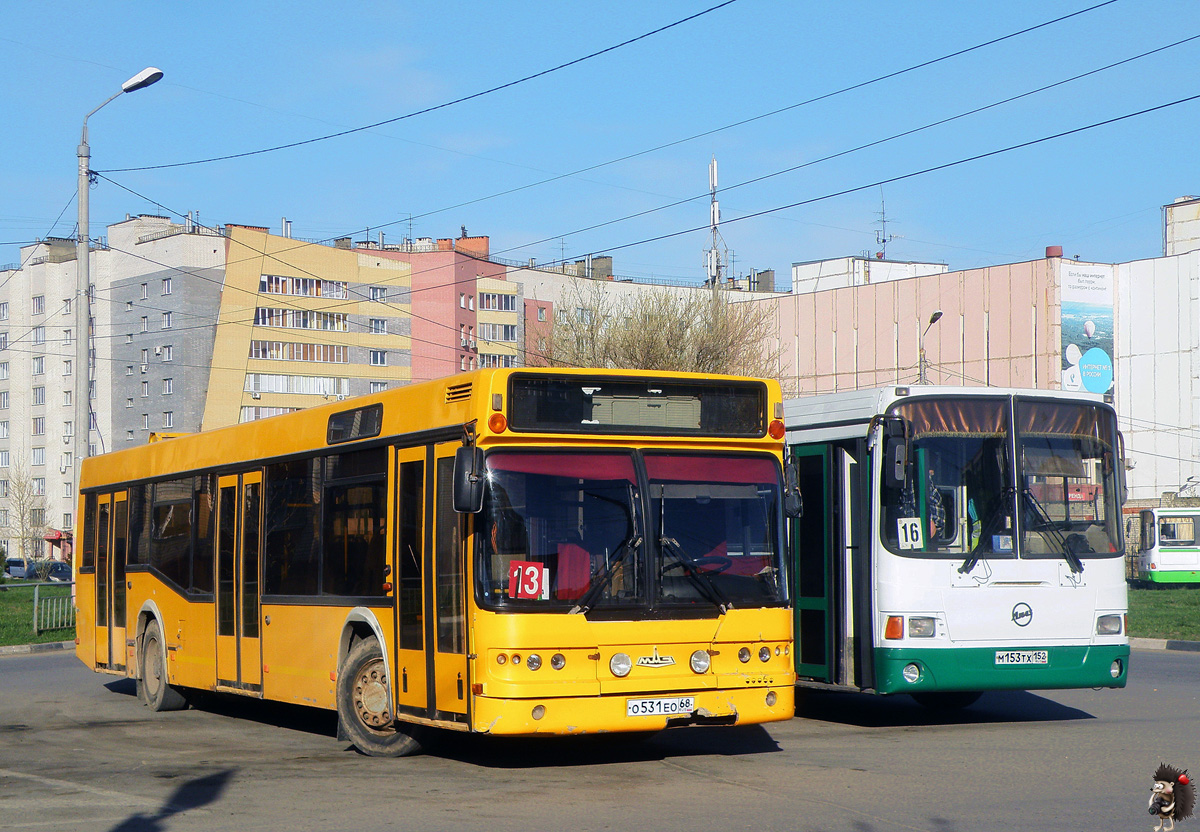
[[599, 749], [870, 711], [190, 794]]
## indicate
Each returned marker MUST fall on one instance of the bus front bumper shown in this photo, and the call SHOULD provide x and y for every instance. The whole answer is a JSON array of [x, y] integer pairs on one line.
[[980, 668], [609, 713]]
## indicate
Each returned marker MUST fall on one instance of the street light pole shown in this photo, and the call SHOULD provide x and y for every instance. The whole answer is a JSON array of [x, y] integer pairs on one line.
[[82, 369], [922, 364]]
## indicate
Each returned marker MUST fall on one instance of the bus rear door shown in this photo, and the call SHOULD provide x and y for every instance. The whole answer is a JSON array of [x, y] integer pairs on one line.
[[239, 525]]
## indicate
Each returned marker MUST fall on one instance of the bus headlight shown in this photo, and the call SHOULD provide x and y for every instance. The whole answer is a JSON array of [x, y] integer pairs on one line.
[[700, 661], [1108, 625], [620, 664], [911, 673], [558, 661], [744, 655], [764, 654], [1115, 670], [534, 661], [922, 627]]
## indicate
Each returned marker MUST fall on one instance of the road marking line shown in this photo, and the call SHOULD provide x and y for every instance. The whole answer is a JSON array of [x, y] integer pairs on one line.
[[123, 797]]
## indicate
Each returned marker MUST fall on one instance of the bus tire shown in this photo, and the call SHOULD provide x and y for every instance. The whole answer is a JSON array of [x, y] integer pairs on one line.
[[153, 687], [364, 714], [948, 700]]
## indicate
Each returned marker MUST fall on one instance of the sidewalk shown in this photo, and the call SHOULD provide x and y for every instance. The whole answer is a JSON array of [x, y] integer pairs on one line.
[[16, 649], [1164, 644]]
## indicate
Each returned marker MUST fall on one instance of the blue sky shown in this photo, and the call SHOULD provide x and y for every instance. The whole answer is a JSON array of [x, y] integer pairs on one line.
[[249, 75]]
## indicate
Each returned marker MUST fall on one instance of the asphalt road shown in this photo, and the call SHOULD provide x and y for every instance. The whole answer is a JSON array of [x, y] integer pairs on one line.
[[78, 751]]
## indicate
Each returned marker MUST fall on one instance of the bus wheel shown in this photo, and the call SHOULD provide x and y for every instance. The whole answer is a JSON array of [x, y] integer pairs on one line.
[[948, 701], [154, 688], [362, 705]]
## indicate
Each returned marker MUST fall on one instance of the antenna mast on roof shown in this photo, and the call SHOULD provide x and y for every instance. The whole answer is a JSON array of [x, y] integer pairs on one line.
[[882, 238], [717, 256]]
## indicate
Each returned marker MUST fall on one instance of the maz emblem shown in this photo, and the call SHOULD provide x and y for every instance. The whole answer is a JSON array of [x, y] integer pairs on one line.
[[655, 660], [1022, 614]]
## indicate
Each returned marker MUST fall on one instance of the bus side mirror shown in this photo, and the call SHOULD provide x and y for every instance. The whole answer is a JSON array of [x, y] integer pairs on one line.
[[895, 462], [468, 480], [793, 501]]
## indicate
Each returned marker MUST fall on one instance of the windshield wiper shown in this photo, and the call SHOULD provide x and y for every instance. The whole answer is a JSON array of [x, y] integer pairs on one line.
[[701, 579], [630, 544], [1048, 525], [1002, 499]]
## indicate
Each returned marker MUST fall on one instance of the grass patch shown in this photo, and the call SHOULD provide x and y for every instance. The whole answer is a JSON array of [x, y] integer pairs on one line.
[[16, 614], [1165, 613]]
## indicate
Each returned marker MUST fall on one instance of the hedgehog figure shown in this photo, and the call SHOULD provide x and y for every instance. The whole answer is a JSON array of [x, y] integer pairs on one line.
[[1173, 797]]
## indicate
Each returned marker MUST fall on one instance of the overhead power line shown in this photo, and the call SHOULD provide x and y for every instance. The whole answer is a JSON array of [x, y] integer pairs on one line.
[[444, 104]]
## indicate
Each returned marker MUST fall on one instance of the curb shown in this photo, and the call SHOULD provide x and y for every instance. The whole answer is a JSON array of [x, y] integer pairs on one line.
[[20, 649], [1164, 644]]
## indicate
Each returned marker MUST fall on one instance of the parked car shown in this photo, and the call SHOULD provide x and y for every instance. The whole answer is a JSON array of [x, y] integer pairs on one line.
[[17, 567], [59, 571]]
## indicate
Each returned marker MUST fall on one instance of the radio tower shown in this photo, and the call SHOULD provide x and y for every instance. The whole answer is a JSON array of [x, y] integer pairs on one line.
[[716, 257]]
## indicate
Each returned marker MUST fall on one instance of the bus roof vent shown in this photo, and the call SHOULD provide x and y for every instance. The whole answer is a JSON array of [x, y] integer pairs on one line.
[[458, 392]]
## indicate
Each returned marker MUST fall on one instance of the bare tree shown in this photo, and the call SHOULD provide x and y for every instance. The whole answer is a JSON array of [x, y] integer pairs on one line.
[[25, 511], [661, 329]]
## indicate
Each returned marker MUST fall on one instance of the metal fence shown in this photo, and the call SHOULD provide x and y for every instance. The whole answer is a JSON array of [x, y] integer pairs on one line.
[[54, 612]]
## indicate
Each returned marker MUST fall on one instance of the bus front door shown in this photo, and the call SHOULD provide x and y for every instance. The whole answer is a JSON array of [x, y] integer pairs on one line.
[[445, 590], [112, 526], [239, 527], [812, 542], [410, 677]]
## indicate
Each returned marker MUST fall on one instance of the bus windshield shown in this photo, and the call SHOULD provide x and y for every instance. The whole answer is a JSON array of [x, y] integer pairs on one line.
[[965, 496], [565, 532]]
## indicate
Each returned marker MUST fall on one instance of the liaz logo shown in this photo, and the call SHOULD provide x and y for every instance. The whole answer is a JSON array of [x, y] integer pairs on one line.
[[1022, 614], [655, 660]]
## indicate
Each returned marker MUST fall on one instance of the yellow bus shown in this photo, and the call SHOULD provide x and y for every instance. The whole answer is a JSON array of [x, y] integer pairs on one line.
[[511, 552]]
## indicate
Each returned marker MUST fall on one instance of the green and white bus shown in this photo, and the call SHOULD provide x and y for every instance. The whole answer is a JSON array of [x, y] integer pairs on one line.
[[1169, 553], [958, 540]]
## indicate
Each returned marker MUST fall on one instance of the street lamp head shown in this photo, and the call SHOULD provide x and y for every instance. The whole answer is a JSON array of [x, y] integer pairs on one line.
[[143, 79], [933, 319]]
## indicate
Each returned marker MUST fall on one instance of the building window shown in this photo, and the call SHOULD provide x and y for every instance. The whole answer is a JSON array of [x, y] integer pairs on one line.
[[251, 414], [541, 313], [166, 286], [128, 306], [3, 370], [67, 337], [492, 360], [300, 319], [39, 335], [471, 302], [169, 419], [129, 338], [39, 425], [67, 520], [66, 306], [3, 400], [68, 431], [67, 367], [93, 426], [497, 302], [145, 421], [145, 355], [39, 395], [378, 293], [166, 320], [67, 459], [68, 491], [378, 358], [38, 455], [462, 300], [4, 311], [378, 326], [378, 386], [128, 436], [498, 332], [4, 429], [129, 402], [308, 287], [66, 398], [3, 340], [128, 369], [168, 386], [168, 352], [304, 385], [145, 324], [91, 389], [3, 459], [3, 488], [145, 291], [145, 389], [39, 304], [289, 351], [39, 486], [39, 365]]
